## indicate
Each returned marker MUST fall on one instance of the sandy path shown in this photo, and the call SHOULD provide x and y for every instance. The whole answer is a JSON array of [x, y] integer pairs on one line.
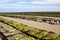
[[39, 25]]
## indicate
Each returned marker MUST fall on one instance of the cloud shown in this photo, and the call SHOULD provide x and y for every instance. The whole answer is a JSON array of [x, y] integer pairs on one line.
[[41, 2], [4, 0], [18, 6], [26, 5], [53, 0], [11, 5], [22, 2], [46, 2], [32, 8], [32, 1]]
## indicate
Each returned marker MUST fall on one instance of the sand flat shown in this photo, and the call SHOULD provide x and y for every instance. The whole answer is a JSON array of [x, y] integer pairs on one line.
[[39, 25]]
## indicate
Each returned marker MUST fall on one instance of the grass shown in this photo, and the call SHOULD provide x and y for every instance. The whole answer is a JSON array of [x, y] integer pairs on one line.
[[51, 36], [50, 14], [16, 37], [58, 38]]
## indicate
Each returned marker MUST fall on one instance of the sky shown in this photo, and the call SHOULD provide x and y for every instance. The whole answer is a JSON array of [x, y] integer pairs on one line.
[[29, 5]]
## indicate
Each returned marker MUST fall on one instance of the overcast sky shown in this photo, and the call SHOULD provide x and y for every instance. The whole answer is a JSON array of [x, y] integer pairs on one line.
[[29, 5]]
